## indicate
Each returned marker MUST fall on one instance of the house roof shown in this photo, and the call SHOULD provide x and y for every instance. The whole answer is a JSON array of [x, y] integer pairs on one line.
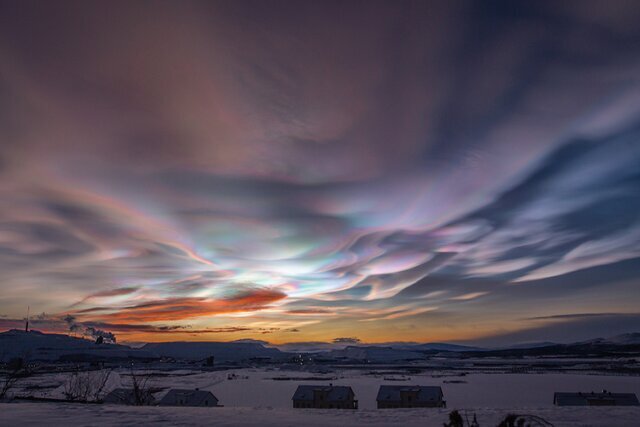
[[334, 393], [392, 393], [188, 397], [582, 399]]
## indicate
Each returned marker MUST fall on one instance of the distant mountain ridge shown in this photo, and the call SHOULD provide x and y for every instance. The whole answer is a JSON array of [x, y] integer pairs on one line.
[[440, 346], [623, 339], [35, 345], [374, 354], [319, 346], [222, 351]]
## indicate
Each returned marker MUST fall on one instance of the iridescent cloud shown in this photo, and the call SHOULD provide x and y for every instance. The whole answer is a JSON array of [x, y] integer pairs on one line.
[[239, 167]]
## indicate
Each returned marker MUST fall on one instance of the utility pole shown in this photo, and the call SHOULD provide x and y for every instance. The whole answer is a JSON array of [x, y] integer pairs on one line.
[[26, 326]]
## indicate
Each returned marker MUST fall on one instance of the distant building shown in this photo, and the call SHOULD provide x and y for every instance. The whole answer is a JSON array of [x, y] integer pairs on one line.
[[413, 396], [324, 397], [178, 397], [127, 396], [606, 398]]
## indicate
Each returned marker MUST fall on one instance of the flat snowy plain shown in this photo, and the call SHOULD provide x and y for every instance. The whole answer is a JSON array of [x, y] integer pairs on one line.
[[255, 399], [50, 414]]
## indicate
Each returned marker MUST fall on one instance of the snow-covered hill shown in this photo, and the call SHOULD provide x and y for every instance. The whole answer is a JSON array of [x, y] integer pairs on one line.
[[625, 339], [221, 351], [35, 345]]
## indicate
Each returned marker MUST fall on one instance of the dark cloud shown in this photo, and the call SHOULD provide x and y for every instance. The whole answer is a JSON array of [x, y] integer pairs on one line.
[[436, 283], [81, 217], [572, 201], [570, 329], [574, 316], [41, 242]]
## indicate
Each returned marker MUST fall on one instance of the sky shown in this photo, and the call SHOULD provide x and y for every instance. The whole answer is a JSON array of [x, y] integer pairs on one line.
[[313, 170]]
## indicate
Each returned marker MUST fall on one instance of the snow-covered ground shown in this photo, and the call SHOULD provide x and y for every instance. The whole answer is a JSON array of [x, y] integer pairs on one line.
[[54, 414], [253, 397], [480, 390]]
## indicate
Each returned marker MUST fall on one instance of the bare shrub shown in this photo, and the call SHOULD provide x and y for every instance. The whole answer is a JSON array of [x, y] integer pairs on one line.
[[8, 382], [86, 386], [13, 371], [141, 388]]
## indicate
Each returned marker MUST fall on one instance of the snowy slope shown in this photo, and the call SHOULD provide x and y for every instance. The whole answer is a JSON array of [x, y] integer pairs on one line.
[[35, 345], [625, 339], [33, 414]]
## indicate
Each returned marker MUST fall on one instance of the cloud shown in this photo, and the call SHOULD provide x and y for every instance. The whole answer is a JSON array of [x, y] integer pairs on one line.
[[405, 157], [575, 211], [569, 329], [312, 312], [469, 296], [574, 316], [108, 293], [186, 308], [399, 313]]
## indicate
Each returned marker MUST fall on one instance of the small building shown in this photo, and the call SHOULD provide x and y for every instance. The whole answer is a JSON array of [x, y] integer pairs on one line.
[[606, 398], [127, 396], [324, 397], [410, 396], [179, 397]]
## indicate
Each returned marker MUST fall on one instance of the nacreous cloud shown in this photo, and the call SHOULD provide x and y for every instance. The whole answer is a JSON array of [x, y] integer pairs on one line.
[[266, 166]]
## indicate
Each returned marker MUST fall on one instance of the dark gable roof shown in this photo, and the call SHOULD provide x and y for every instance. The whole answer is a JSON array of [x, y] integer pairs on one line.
[[582, 399], [188, 397], [334, 393], [391, 393]]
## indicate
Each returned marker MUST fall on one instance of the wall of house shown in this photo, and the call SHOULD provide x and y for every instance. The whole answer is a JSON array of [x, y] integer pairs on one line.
[[325, 404], [413, 404]]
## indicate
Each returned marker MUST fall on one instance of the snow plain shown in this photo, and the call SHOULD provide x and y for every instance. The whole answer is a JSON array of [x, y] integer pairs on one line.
[[54, 414], [480, 390], [251, 397]]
